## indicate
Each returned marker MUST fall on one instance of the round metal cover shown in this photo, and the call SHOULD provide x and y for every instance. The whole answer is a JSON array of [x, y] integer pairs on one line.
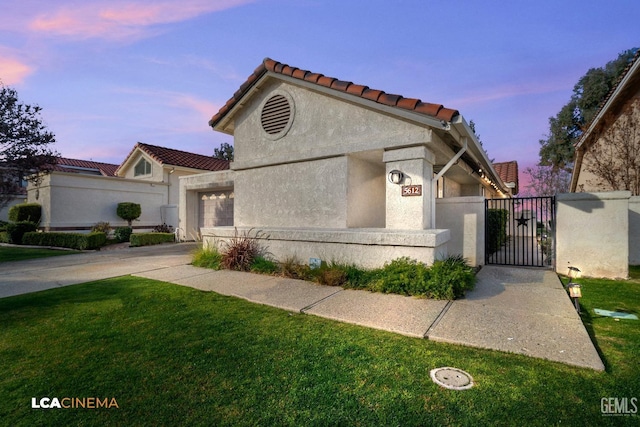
[[451, 378]]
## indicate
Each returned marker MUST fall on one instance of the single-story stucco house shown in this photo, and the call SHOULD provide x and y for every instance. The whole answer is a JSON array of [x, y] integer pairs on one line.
[[338, 171], [79, 193]]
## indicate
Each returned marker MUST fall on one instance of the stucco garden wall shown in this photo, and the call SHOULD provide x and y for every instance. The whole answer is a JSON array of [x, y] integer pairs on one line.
[[593, 233], [75, 201], [464, 217], [634, 230], [367, 248]]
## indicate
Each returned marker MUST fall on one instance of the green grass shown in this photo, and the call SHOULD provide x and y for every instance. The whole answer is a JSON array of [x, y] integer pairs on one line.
[[620, 338], [18, 254], [173, 355]]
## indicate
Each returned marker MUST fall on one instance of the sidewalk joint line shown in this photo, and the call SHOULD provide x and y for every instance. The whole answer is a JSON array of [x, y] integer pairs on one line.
[[310, 306], [438, 319]]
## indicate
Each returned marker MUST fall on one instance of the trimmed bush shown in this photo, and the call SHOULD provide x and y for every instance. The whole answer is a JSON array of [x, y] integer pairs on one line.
[[26, 212], [403, 276], [3, 225], [122, 234], [145, 239], [66, 240], [4, 237], [450, 278], [16, 230], [129, 211]]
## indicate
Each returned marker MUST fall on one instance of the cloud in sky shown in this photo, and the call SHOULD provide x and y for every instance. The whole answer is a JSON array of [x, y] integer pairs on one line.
[[119, 20], [13, 70]]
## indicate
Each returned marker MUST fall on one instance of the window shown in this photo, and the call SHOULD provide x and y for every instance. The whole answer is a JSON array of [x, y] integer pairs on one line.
[[142, 168]]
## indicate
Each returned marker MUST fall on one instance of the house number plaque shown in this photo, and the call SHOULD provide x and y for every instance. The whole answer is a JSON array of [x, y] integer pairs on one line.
[[411, 190]]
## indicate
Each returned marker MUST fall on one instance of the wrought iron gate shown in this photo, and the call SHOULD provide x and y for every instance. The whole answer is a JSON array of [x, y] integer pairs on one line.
[[520, 231]]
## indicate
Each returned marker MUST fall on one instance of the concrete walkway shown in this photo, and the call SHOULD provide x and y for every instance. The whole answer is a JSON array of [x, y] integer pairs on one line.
[[516, 310]]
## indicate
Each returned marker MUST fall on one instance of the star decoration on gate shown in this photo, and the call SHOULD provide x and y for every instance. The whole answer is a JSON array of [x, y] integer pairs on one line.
[[522, 220]]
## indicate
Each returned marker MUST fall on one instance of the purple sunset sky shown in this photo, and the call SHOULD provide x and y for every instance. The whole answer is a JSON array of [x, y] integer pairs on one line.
[[109, 73]]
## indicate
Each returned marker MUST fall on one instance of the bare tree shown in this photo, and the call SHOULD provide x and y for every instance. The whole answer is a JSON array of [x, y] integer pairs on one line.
[[547, 180], [614, 159]]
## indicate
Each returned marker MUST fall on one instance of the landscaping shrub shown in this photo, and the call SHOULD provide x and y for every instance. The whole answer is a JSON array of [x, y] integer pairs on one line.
[[129, 211], [16, 230], [163, 228], [263, 265], [450, 278], [101, 227], [207, 258], [145, 239], [122, 234], [25, 212], [330, 276], [66, 240], [496, 229], [3, 225], [4, 237], [292, 268], [402, 276], [239, 252]]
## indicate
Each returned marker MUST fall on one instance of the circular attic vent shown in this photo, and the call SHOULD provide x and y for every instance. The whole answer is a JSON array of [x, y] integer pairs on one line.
[[277, 115]]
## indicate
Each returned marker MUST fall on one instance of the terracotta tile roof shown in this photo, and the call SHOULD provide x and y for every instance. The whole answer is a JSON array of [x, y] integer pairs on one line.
[[85, 166], [398, 101], [172, 157], [508, 172]]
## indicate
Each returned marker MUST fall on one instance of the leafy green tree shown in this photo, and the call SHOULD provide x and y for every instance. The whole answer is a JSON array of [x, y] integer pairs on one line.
[[225, 152], [129, 211], [24, 144], [567, 126]]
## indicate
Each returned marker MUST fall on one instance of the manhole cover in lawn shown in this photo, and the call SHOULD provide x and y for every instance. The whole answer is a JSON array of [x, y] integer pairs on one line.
[[452, 378]]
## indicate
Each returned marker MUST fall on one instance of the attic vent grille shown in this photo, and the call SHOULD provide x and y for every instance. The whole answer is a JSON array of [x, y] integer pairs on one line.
[[276, 115]]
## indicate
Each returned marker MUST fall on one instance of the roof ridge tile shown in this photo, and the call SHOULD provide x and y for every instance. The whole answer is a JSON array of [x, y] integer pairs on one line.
[[269, 65]]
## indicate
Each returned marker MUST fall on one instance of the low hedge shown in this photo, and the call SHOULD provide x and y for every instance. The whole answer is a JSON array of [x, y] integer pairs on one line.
[[145, 239], [66, 240], [16, 230]]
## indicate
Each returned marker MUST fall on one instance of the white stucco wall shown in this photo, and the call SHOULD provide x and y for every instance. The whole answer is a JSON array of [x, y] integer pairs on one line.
[[366, 193], [634, 230], [305, 194], [593, 233], [464, 217], [75, 200], [369, 248]]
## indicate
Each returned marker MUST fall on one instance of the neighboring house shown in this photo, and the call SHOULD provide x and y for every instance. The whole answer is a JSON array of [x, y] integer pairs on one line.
[[611, 142], [508, 172], [339, 171], [79, 193], [608, 158]]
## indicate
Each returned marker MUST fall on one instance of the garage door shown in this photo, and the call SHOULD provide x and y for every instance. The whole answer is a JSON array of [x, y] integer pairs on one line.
[[216, 209]]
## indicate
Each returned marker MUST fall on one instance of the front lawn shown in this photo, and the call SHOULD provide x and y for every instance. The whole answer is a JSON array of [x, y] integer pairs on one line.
[[14, 253], [172, 355]]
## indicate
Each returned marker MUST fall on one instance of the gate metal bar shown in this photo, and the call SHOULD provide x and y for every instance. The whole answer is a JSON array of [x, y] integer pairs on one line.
[[520, 231]]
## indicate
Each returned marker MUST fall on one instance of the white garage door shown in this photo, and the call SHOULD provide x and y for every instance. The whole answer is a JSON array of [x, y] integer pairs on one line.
[[216, 209]]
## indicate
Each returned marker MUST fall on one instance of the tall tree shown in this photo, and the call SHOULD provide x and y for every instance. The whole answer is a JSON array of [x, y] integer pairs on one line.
[[225, 152], [567, 126], [24, 144]]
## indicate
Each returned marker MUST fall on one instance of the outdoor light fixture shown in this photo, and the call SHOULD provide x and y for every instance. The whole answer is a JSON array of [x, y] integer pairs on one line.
[[396, 177], [575, 290]]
